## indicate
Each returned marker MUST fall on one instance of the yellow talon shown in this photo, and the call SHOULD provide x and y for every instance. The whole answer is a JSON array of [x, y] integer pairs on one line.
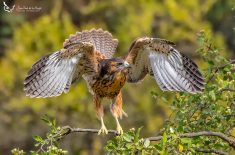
[[119, 130], [103, 130]]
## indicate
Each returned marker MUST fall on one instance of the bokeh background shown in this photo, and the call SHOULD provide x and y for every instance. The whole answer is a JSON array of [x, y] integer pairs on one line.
[[27, 36]]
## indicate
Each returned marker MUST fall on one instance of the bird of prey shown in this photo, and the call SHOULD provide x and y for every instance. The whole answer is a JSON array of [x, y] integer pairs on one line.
[[89, 54]]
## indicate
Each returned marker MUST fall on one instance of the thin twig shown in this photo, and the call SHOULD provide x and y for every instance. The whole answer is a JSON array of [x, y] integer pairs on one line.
[[230, 62], [220, 67], [210, 151], [227, 89]]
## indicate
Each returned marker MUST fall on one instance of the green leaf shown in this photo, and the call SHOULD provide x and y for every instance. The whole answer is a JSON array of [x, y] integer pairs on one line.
[[164, 138], [46, 119], [212, 94], [158, 147], [127, 137], [38, 139], [137, 134], [129, 146], [164, 99], [211, 62], [185, 140], [37, 144], [54, 122], [146, 143], [154, 94]]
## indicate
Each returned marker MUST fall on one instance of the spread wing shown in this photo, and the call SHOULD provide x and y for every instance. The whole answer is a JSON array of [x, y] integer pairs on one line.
[[53, 74], [172, 70]]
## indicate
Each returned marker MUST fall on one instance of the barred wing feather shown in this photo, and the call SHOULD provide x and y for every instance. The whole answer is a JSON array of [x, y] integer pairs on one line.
[[53, 74], [172, 70]]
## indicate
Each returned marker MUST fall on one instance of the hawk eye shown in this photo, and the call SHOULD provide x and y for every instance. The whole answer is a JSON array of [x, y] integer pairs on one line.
[[119, 64]]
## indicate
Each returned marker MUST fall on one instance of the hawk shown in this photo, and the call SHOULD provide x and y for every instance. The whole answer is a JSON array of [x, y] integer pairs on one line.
[[89, 54]]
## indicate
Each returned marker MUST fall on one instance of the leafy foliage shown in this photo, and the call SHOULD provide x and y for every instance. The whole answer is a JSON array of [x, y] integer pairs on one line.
[[129, 143], [48, 145]]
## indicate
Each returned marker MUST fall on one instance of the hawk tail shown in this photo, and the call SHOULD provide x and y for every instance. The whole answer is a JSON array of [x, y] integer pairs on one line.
[[103, 41]]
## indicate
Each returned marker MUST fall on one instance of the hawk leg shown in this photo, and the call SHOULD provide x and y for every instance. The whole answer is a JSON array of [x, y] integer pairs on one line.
[[100, 114], [117, 111]]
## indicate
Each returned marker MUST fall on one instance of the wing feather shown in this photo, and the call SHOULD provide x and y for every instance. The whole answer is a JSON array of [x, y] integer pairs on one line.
[[52, 75], [157, 72], [162, 72], [171, 75], [58, 79], [172, 70]]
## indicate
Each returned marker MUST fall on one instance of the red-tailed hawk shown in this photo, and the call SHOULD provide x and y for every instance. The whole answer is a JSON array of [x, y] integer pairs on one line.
[[90, 54]]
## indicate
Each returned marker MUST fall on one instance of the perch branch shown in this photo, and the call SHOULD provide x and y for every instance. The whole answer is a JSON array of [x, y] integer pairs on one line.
[[68, 130]]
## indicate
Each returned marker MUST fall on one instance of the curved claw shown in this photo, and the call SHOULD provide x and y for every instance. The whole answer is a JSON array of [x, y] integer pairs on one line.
[[103, 130], [119, 130]]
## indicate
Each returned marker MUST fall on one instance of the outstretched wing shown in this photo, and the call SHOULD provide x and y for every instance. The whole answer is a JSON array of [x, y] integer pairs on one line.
[[53, 74], [103, 41], [172, 70]]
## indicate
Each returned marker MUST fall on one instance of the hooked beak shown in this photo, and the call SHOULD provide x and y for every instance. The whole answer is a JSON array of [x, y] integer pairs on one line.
[[127, 65]]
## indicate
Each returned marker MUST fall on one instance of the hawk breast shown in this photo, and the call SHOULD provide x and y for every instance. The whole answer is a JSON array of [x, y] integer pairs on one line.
[[109, 85]]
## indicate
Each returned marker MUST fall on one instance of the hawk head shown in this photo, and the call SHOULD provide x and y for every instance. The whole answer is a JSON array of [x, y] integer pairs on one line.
[[114, 65]]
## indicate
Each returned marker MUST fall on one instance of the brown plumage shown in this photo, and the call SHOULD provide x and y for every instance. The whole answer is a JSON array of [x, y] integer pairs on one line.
[[89, 54]]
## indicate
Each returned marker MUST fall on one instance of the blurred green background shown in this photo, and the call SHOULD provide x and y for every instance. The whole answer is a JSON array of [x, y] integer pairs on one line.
[[27, 36]]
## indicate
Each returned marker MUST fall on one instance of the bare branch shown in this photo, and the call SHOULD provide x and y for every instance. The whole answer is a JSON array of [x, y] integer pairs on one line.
[[210, 151], [230, 141], [68, 130], [227, 89], [230, 62]]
